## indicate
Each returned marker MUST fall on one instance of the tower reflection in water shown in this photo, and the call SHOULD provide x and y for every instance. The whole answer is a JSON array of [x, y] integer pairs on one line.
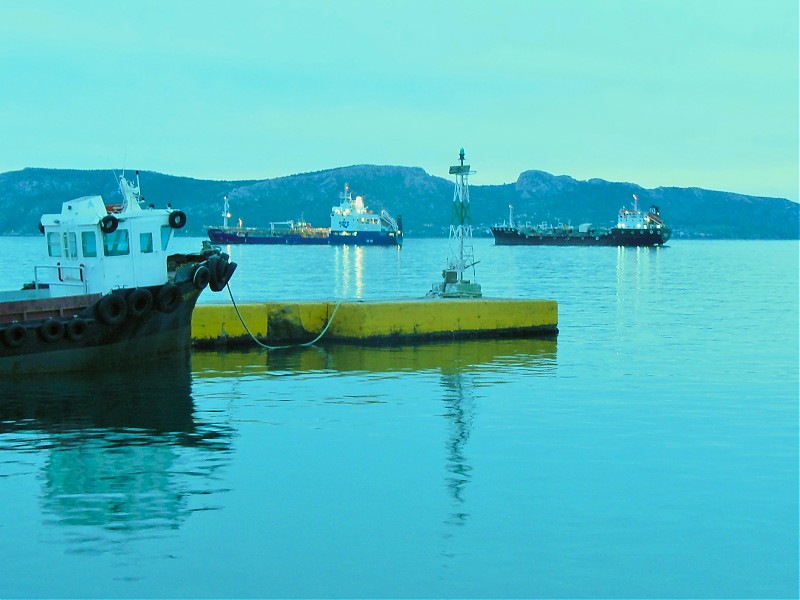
[[462, 367], [117, 445], [459, 401]]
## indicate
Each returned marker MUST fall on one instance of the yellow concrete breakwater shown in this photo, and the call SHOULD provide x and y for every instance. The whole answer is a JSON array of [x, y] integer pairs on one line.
[[282, 323]]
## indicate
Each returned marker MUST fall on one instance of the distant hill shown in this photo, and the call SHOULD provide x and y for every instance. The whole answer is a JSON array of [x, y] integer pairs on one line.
[[423, 200]]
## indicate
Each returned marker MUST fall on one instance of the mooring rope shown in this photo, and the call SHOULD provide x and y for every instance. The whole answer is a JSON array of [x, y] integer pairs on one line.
[[263, 345]]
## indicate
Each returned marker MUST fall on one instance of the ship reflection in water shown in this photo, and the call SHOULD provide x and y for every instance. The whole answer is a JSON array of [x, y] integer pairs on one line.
[[116, 448], [129, 455], [349, 271]]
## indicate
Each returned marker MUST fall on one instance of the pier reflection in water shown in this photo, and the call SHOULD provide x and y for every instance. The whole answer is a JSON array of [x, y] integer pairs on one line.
[[443, 357], [450, 376], [312, 456]]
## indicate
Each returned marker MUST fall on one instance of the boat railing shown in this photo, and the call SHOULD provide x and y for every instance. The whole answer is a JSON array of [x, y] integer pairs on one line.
[[61, 275], [389, 219]]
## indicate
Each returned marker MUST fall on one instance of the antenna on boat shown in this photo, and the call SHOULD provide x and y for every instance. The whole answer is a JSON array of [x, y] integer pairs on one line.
[[461, 256], [226, 211], [130, 193]]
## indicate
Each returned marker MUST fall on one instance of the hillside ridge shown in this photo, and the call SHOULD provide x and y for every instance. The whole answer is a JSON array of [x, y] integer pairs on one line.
[[423, 200]]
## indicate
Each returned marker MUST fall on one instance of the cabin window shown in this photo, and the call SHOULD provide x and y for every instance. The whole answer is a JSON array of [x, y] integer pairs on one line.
[[116, 244], [89, 244], [70, 241], [165, 233], [53, 244], [145, 243]]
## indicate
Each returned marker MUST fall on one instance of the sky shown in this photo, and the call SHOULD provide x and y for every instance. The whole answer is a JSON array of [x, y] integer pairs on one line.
[[685, 93]]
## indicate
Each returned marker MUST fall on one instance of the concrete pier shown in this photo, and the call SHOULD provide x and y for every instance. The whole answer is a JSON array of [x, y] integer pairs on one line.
[[373, 322]]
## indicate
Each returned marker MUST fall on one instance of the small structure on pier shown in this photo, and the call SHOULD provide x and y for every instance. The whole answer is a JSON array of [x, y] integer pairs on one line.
[[461, 256]]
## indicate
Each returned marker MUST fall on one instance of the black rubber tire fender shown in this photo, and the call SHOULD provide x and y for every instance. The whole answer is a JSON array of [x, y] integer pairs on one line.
[[168, 298], [51, 330], [77, 329], [213, 263], [140, 302], [177, 219], [14, 335], [230, 268], [201, 277], [112, 309], [109, 224]]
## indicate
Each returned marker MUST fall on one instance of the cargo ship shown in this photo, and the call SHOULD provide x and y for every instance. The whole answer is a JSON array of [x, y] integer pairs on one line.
[[634, 228], [352, 223]]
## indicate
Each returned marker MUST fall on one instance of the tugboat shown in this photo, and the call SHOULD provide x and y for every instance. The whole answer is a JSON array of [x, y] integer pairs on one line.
[[351, 224], [634, 228], [108, 294]]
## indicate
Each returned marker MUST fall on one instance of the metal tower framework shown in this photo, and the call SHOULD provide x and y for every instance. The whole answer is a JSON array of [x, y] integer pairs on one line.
[[461, 255]]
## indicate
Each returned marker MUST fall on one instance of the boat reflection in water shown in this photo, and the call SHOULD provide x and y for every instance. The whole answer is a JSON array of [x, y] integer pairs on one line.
[[133, 454], [116, 447]]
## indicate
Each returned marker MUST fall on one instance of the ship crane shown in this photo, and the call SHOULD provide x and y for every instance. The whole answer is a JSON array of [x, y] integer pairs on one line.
[[461, 256]]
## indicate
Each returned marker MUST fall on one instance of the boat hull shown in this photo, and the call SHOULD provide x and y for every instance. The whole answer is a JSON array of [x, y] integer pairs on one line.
[[218, 236], [511, 236], [102, 346], [365, 238], [124, 328], [361, 238]]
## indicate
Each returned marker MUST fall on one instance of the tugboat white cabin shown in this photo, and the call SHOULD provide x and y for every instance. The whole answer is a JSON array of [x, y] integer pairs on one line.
[[93, 247]]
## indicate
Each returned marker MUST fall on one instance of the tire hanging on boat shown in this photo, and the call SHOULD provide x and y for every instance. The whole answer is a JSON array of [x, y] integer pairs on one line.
[[112, 309], [201, 277], [177, 219], [76, 329], [140, 302], [109, 224], [168, 298], [14, 335], [213, 264], [229, 270], [51, 330], [221, 273]]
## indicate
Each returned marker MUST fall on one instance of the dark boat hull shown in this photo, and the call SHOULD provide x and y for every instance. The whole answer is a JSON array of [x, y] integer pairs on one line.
[[218, 236], [102, 346], [361, 238], [511, 236], [122, 328]]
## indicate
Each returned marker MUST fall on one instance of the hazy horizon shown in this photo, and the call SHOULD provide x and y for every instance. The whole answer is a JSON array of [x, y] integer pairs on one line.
[[661, 93]]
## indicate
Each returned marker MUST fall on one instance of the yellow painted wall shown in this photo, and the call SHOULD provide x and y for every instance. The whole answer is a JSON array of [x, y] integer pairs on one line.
[[293, 322]]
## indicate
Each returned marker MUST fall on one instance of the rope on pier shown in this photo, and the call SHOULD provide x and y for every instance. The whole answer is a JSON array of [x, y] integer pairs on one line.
[[268, 347]]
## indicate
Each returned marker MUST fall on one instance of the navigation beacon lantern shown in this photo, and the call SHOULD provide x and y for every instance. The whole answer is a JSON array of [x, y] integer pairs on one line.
[[461, 256]]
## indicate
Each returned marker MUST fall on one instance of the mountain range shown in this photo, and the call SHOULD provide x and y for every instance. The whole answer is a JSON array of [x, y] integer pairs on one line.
[[424, 201]]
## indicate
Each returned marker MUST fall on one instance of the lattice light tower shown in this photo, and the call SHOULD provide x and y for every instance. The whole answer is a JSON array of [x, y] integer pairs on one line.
[[461, 255]]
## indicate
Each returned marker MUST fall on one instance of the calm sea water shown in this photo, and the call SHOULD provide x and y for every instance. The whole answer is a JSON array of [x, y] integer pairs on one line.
[[651, 451]]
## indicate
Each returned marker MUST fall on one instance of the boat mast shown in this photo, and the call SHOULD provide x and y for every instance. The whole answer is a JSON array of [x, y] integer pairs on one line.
[[130, 193], [226, 212]]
